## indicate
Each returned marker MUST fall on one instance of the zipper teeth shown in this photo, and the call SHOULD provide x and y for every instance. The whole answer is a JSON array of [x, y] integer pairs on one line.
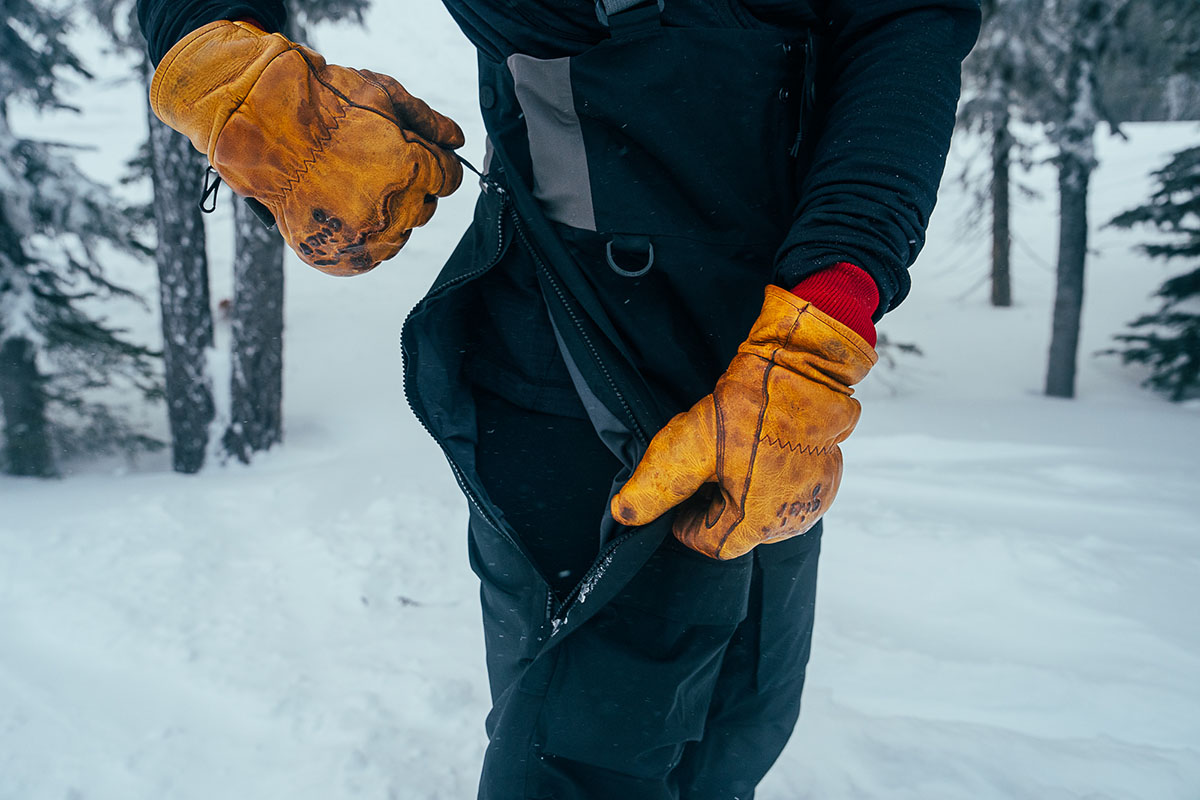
[[603, 559], [630, 417], [459, 477]]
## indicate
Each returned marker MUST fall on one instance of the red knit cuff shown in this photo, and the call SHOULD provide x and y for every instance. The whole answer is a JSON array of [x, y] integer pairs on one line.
[[846, 293]]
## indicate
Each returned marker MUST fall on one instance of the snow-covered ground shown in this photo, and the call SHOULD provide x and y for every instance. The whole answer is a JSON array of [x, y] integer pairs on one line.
[[1010, 584]]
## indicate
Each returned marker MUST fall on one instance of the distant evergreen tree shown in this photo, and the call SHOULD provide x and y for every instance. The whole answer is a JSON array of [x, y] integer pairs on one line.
[[56, 350], [187, 321], [998, 74], [175, 169], [255, 419], [1153, 72], [256, 312], [1070, 38], [1169, 338]]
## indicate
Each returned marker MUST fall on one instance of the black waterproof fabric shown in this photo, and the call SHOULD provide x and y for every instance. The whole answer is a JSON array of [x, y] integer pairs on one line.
[[663, 674], [739, 142], [888, 84], [686, 686]]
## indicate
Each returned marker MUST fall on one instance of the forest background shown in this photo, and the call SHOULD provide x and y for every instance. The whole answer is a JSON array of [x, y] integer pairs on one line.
[[274, 599]]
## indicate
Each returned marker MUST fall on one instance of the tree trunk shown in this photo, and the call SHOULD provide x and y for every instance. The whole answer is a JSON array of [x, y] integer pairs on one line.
[[27, 448], [256, 385], [1074, 173], [1001, 236], [22, 396], [183, 288]]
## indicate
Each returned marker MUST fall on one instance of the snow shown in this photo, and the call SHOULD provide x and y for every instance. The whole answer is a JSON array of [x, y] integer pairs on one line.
[[1008, 589]]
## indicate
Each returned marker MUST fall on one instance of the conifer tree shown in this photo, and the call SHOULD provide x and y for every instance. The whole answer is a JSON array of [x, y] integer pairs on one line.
[[1168, 340], [1071, 37], [998, 76], [176, 171], [56, 350], [187, 322], [255, 420], [256, 313]]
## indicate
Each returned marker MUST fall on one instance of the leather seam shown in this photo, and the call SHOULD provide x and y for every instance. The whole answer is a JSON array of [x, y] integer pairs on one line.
[[805, 449]]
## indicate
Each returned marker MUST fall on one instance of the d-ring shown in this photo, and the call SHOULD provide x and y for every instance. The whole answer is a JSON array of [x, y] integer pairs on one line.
[[608, 254]]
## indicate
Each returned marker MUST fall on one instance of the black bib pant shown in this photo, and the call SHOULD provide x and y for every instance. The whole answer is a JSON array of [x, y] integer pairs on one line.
[[635, 199]]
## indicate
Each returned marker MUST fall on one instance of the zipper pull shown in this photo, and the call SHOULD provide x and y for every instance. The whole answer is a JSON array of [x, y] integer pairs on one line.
[[488, 182], [208, 198]]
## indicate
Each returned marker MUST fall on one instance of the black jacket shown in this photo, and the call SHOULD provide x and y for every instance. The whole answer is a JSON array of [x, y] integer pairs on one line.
[[886, 105]]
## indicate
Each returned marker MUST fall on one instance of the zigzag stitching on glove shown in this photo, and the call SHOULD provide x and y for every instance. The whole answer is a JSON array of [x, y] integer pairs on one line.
[[307, 162], [796, 448]]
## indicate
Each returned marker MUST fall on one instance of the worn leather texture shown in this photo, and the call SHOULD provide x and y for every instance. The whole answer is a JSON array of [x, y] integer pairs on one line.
[[758, 459], [347, 161]]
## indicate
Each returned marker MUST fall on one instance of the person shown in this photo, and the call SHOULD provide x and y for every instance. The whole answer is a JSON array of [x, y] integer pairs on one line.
[[639, 358]]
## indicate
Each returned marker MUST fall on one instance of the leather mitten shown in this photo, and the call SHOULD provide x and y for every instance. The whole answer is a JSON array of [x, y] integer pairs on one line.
[[758, 459], [346, 160]]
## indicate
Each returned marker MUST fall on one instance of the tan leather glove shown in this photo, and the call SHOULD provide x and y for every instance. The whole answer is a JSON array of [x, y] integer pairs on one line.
[[346, 160], [765, 441]]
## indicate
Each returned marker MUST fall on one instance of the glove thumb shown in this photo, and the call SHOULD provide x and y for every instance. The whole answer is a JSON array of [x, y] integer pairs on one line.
[[681, 458]]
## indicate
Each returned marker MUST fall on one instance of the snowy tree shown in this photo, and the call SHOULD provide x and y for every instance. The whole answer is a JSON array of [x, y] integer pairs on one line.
[[997, 74], [256, 349], [187, 323], [256, 313], [1153, 71], [256, 309], [1168, 340], [1070, 39], [175, 169], [61, 363]]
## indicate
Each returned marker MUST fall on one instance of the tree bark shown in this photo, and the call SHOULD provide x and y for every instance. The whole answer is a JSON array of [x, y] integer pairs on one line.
[[23, 398], [1074, 174], [27, 448], [256, 385], [183, 288], [1001, 234]]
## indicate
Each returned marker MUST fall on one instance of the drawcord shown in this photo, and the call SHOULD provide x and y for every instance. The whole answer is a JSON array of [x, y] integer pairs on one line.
[[212, 182], [488, 182]]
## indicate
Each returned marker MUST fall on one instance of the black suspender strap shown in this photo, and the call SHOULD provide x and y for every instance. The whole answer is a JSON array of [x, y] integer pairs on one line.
[[617, 6], [628, 16]]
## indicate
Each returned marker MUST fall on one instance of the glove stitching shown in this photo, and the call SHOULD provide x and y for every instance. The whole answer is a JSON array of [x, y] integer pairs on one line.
[[805, 449], [310, 161], [404, 133]]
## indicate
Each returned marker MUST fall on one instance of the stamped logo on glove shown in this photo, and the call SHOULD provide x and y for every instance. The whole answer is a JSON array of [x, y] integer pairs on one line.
[[758, 459]]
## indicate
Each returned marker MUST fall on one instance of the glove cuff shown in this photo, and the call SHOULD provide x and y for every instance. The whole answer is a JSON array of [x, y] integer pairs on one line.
[[206, 76], [796, 334]]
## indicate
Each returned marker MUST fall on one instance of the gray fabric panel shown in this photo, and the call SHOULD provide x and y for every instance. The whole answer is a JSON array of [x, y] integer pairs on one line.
[[488, 152], [612, 432], [617, 6], [560, 171]]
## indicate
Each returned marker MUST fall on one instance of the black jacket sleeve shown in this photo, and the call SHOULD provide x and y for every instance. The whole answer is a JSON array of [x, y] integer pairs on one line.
[[165, 22], [888, 81]]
